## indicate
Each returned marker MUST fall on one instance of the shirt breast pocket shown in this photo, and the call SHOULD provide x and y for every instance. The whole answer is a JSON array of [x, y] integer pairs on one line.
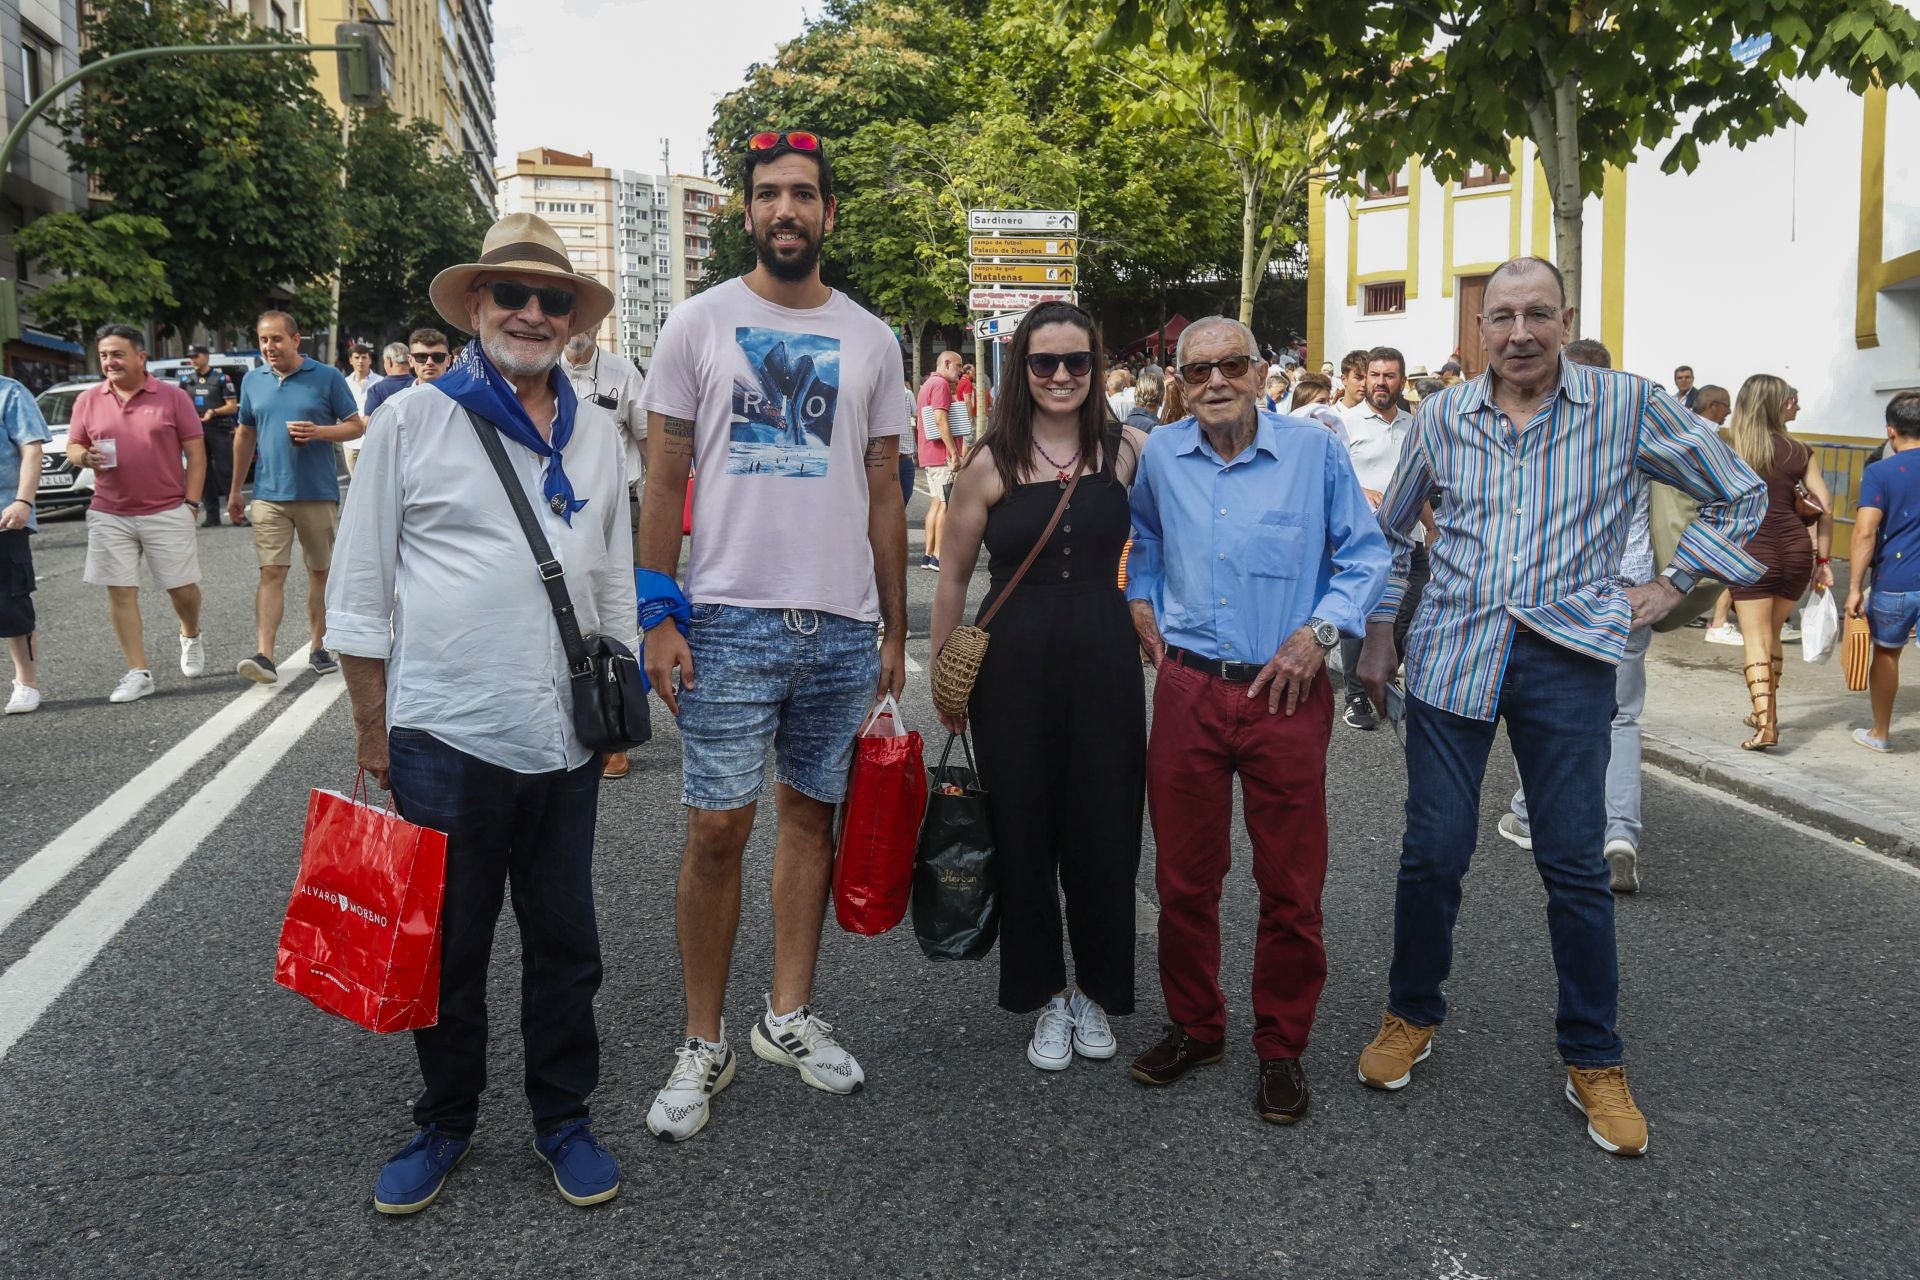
[[1276, 546]]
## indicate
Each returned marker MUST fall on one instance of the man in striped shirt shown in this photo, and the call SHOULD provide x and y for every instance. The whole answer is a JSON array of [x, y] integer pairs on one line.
[[1529, 468]]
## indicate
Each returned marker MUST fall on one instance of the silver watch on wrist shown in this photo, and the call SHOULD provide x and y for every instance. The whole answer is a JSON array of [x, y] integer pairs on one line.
[[1324, 633]]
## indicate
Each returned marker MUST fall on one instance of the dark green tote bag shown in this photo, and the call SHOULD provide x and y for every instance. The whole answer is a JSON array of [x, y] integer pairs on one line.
[[956, 911]]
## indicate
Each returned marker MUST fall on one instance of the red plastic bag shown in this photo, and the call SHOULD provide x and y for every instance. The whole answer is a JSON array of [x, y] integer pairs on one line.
[[880, 825], [362, 934]]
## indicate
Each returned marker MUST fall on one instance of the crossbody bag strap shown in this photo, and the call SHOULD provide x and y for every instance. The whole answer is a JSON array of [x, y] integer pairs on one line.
[[551, 577], [1059, 510]]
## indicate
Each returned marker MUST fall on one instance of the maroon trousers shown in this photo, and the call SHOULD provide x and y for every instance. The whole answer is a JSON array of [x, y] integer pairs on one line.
[[1206, 730]]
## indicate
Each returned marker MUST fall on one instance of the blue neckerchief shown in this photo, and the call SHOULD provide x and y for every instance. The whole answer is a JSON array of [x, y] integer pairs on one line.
[[660, 598], [475, 384]]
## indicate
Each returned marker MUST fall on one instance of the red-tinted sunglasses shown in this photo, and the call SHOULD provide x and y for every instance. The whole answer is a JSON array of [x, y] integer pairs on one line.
[[798, 140]]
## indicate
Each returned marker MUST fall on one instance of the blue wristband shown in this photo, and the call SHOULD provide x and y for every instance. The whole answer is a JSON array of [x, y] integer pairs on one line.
[[659, 598]]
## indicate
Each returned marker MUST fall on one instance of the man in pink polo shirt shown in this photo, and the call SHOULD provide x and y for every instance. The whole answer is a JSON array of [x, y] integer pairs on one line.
[[132, 430]]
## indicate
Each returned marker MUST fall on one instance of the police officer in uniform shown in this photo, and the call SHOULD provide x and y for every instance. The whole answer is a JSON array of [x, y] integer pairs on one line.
[[215, 401]]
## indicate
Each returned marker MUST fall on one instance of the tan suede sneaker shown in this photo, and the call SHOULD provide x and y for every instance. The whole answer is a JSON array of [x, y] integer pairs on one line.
[[1613, 1121], [1387, 1063]]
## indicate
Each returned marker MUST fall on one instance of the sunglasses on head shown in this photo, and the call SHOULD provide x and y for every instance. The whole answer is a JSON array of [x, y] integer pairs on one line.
[[430, 357], [1202, 370], [799, 140], [513, 296], [1042, 364]]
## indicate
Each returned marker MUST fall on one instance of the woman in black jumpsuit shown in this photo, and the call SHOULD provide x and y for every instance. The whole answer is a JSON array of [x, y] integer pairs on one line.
[[1058, 712]]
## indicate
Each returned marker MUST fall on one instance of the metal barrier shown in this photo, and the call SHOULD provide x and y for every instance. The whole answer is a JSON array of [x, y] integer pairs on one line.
[[1841, 464]]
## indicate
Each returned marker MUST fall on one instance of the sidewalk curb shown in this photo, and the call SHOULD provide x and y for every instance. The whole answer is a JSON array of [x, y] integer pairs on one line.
[[1895, 841]]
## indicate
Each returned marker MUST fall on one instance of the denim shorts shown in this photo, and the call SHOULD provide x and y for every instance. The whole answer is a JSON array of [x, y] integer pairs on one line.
[[797, 679], [1891, 616]]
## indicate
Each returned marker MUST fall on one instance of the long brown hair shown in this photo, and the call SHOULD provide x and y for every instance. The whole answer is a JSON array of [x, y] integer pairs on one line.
[[1759, 413], [1009, 432]]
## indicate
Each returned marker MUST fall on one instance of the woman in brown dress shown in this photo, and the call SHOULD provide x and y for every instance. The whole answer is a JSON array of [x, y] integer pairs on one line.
[[1793, 547]]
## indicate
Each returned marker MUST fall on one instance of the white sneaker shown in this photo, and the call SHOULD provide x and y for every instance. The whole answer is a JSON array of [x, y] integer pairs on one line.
[[1515, 830], [1623, 857], [806, 1044], [699, 1071], [133, 686], [1051, 1048], [1726, 633], [1092, 1037], [25, 698], [193, 655], [1789, 634]]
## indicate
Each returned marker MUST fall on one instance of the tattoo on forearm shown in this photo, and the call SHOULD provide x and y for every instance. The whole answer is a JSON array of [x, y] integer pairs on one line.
[[677, 437]]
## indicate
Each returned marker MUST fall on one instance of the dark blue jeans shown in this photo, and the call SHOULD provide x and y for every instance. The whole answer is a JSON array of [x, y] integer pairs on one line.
[[535, 832], [1559, 709]]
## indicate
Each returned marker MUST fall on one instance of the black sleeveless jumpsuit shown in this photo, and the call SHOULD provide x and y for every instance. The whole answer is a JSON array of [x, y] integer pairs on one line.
[[1059, 720]]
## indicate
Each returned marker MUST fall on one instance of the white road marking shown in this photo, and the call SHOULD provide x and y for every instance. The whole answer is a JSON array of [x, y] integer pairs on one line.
[[63, 953], [35, 877], [913, 666], [1814, 833]]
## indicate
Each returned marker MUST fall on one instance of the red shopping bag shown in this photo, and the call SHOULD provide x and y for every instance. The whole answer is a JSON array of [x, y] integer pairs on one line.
[[362, 934], [880, 825]]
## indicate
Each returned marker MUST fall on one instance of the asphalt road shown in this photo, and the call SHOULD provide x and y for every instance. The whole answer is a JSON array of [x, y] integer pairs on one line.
[[166, 1110]]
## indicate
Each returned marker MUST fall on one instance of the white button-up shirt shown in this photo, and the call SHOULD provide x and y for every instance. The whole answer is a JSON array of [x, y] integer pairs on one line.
[[432, 573], [1375, 445], [618, 379]]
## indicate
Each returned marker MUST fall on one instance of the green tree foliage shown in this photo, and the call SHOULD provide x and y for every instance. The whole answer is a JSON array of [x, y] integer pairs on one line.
[[107, 269], [930, 109], [409, 213], [1589, 83], [237, 156]]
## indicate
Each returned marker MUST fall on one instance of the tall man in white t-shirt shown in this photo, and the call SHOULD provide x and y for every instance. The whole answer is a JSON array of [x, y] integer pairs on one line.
[[785, 396]]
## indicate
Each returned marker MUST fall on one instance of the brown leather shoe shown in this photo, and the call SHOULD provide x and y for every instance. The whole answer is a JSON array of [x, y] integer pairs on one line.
[[1175, 1055], [1283, 1090], [617, 765]]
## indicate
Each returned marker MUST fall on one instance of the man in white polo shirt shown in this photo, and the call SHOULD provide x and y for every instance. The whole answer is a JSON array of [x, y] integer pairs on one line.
[[1377, 427]]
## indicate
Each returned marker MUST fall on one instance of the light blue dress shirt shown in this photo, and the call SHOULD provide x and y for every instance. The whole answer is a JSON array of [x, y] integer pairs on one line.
[[1237, 556], [21, 424]]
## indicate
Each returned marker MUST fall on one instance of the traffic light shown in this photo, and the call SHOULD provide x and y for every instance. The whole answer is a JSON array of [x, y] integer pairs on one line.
[[363, 65]]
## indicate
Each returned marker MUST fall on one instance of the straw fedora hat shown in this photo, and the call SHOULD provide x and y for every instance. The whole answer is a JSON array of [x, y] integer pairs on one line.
[[521, 244]]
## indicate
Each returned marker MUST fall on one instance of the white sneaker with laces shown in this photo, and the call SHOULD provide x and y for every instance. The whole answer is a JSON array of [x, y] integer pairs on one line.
[[1515, 830], [193, 655], [1789, 634], [806, 1044], [1623, 858], [25, 698], [1725, 633], [699, 1071], [133, 686], [1092, 1036], [1051, 1048]]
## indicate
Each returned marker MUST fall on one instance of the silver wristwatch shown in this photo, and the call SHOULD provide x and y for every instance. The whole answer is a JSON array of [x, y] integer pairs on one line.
[[1682, 581], [1324, 632]]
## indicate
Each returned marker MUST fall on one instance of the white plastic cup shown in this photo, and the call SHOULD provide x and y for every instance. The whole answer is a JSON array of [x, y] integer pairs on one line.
[[109, 451]]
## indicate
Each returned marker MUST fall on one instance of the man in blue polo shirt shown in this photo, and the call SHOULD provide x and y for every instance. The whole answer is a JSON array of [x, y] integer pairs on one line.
[[1886, 536], [293, 410]]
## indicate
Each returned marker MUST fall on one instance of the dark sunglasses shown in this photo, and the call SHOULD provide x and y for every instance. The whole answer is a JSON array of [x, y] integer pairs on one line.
[[430, 357], [1042, 364], [513, 296], [1202, 370], [799, 140]]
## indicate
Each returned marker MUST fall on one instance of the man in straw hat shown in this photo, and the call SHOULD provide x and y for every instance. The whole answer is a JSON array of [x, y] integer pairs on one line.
[[460, 692], [788, 396]]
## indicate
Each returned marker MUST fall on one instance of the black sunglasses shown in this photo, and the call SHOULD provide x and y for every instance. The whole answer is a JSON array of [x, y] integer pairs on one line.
[[1042, 364], [430, 357], [1202, 370], [513, 296]]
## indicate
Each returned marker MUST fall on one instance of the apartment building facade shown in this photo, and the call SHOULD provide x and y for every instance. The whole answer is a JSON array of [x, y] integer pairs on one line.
[[692, 204], [577, 198]]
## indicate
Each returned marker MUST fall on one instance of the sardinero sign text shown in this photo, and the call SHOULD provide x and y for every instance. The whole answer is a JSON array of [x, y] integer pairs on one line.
[[988, 221]]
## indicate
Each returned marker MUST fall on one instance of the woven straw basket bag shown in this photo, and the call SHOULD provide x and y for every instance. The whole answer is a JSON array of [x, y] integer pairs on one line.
[[957, 665]]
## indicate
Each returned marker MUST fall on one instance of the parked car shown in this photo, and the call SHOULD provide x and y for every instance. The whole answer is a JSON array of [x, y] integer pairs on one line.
[[62, 485], [235, 366]]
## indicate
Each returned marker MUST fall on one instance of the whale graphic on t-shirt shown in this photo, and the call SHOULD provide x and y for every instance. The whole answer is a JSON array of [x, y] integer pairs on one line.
[[784, 396]]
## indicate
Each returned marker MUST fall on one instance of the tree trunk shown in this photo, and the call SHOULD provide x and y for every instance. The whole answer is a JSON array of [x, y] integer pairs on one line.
[[916, 329], [1249, 245], [1556, 128]]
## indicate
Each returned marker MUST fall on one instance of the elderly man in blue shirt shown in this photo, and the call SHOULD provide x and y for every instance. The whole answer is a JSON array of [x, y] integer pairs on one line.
[[1254, 551]]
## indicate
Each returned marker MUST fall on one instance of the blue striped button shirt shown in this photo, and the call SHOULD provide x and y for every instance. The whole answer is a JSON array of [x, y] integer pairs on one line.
[[1533, 521]]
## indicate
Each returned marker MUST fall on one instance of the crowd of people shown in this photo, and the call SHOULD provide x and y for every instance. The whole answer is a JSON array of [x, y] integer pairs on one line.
[[1303, 550]]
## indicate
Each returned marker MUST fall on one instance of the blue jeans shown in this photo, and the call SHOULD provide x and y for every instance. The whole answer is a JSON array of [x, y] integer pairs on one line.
[[798, 680], [1891, 616], [906, 473], [535, 832], [1559, 709]]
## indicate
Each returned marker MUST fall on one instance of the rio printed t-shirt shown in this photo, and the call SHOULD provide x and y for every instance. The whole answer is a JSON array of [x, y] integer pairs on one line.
[[784, 403]]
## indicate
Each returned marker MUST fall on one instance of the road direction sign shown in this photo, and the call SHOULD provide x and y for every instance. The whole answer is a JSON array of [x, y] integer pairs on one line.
[[1016, 299], [1056, 221], [998, 326], [1022, 273], [1022, 247]]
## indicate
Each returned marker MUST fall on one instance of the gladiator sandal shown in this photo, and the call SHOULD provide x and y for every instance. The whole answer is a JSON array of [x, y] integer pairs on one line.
[[1779, 665], [1766, 722]]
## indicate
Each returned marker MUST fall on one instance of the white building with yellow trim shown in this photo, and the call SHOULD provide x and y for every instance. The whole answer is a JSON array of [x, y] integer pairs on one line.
[[1797, 256]]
